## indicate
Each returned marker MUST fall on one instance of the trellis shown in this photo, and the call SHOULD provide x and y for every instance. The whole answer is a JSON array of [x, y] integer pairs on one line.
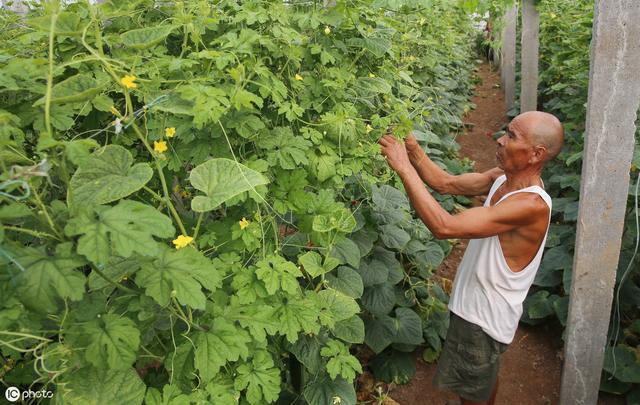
[[613, 100]]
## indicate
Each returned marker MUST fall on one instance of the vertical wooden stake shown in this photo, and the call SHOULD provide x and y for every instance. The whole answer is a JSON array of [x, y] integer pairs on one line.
[[529, 74], [614, 96]]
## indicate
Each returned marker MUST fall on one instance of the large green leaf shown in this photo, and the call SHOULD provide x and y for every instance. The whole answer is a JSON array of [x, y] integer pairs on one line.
[[346, 280], [393, 366], [341, 362], [379, 299], [76, 88], [260, 378], [350, 330], [307, 351], [120, 230], [431, 256], [325, 391], [379, 332], [622, 362], [373, 272], [181, 274], [407, 327], [145, 37], [223, 342], [108, 175], [312, 262], [394, 237], [91, 386], [278, 274], [111, 341], [221, 179], [297, 315], [346, 251], [335, 306], [48, 277]]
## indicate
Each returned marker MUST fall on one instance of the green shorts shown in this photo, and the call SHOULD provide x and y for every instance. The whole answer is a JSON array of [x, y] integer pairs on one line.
[[469, 361]]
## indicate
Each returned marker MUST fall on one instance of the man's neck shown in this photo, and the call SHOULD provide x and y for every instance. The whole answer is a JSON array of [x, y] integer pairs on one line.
[[522, 179]]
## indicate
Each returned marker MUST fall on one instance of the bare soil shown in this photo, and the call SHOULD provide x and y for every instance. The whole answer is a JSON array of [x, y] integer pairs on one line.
[[531, 367]]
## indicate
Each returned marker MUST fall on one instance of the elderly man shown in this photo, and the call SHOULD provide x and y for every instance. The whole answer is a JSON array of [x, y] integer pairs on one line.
[[507, 237]]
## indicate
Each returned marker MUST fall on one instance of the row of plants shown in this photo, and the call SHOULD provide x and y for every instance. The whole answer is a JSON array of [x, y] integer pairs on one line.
[[192, 203], [565, 36]]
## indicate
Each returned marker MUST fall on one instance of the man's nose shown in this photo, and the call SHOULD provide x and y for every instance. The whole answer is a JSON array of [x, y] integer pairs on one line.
[[501, 140]]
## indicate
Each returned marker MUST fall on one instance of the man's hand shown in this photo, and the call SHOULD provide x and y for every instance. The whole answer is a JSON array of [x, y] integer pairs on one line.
[[411, 143], [395, 153]]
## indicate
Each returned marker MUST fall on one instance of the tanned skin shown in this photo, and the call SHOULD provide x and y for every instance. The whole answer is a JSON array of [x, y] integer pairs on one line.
[[520, 220]]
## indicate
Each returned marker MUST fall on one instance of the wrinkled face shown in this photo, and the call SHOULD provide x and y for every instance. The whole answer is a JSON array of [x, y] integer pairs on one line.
[[514, 147]]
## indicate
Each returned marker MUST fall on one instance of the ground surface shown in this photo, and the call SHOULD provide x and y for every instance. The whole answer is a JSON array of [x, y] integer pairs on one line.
[[531, 368]]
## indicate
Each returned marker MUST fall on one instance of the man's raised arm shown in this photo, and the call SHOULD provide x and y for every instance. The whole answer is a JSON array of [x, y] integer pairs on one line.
[[445, 183]]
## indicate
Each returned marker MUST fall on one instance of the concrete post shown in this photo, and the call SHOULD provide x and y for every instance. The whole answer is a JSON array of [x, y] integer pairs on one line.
[[614, 96], [508, 57], [529, 69]]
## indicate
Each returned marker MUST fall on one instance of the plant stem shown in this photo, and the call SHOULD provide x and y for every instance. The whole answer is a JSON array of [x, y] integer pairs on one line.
[[47, 102], [46, 215], [110, 281], [195, 232], [31, 232]]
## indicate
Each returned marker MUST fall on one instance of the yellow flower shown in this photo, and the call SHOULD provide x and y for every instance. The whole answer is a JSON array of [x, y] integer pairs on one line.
[[553, 15], [244, 223], [372, 75], [114, 111], [182, 241], [337, 400], [369, 128], [129, 82], [160, 146], [298, 77], [170, 132], [327, 30]]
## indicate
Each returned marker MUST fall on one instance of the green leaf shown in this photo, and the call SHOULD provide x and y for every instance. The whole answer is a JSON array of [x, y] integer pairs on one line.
[[341, 220], [222, 343], [278, 274], [312, 262], [373, 272], [431, 257], [180, 273], [76, 88], [393, 366], [394, 237], [408, 327], [307, 351], [112, 341], [622, 362], [145, 37], [260, 378], [297, 315], [346, 251], [325, 391], [284, 149], [91, 386], [386, 197], [376, 85], [346, 280], [379, 332], [335, 306], [179, 364], [120, 230], [540, 305], [48, 277], [107, 176], [341, 362], [379, 299], [350, 330], [221, 179], [324, 166], [78, 151]]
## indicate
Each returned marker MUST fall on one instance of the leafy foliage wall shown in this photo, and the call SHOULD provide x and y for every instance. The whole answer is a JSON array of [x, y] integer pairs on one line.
[[193, 206]]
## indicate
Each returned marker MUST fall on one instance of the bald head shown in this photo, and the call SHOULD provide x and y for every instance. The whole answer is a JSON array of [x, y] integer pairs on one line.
[[542, 129]]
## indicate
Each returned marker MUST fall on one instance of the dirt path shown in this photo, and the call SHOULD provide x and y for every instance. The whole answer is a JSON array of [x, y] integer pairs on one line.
[[531, 367]]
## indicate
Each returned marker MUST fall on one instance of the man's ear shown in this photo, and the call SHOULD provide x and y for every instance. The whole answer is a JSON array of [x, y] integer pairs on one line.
[[539, 154]]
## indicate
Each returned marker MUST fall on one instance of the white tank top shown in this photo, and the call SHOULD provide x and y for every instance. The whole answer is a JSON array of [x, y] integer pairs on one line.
[[485, 291]]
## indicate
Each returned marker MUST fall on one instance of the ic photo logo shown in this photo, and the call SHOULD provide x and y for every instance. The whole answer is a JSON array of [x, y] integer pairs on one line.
[[12, 394]]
